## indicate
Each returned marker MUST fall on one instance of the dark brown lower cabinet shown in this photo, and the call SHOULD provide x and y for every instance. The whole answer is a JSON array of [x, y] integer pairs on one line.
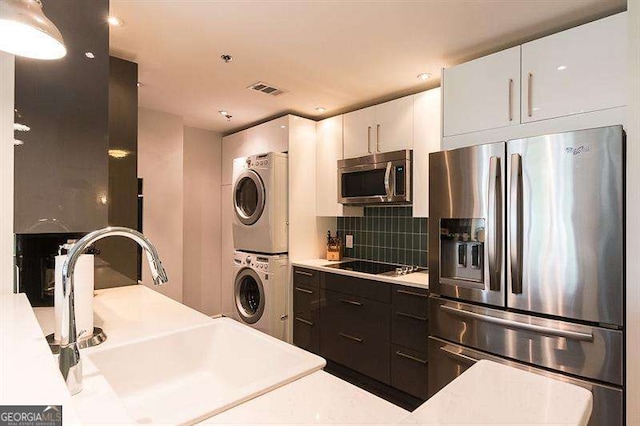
[[376, 329]]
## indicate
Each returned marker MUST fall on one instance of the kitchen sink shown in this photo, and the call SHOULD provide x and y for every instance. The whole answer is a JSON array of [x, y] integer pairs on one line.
[[187, 376]]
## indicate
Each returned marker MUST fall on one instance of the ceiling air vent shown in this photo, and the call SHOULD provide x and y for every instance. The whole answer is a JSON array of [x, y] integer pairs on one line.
[[267, 88]]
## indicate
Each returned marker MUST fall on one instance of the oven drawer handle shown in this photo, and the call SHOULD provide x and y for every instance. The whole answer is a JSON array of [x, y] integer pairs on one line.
[[304, 290], [307, 274], [412, 293], [351, 302], [412, 358], [304, 321], [458, 355], [350, 337], [415, 317], [547, 331]]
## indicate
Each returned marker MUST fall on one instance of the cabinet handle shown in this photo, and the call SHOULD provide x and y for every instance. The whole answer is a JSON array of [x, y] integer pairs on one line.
[[378, 137], [369, 139], [529, 101], [510, 99], [304, 290], [412, 293], [415, 317], [307, 274], [348, 336], [351, 302], [412, 358], [304, 321]]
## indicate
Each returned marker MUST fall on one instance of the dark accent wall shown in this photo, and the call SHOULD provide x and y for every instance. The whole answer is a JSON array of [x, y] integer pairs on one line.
[[119, 256], [61, 170], [387, 234]]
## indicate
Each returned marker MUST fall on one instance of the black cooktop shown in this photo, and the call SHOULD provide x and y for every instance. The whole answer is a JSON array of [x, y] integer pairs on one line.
[[364, 266]]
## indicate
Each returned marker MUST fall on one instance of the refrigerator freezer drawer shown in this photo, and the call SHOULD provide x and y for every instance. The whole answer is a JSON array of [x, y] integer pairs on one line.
[[586, 351], [447, 361]]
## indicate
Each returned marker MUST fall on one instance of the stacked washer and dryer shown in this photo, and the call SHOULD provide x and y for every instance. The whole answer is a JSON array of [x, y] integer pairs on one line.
[[260, 240]]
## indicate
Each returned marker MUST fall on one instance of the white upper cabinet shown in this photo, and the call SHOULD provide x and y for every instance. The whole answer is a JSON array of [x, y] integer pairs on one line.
[[358, 133], [426, 131], [575, 71], [394, 125], [328, 152], [482, 94], [381, 128]]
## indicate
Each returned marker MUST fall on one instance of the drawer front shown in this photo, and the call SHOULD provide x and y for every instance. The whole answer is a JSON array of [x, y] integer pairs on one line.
[[369, 289], [305, 298], [409, 330], [559, 345], [357, 316], [409, 371], [306, 277], [363, 355], [306, 331], [411, 300]]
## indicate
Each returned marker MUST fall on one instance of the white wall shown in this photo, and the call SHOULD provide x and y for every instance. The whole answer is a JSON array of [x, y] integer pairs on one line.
[[6, 172], [633, 218], [160, 165], [202, 221]]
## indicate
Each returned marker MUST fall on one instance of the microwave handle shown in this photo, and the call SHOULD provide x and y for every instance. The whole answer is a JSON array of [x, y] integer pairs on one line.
[[387, 182]]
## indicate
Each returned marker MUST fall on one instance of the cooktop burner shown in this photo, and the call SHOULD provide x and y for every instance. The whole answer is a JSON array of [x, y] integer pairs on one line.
[[364, 266]]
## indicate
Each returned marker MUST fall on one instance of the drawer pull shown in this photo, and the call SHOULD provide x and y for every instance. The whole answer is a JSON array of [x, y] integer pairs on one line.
[[305, 273], [412, 358], [348, 336], [304, 321], [304, 290], [415, 317], [413, 293], [351, 302]]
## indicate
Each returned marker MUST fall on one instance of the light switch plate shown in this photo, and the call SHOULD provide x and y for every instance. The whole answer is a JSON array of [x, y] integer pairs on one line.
[[349, 242]]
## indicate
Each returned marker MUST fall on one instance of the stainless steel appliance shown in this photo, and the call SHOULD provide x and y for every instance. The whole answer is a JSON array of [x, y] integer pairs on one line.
[[526, 260], [376, 179]]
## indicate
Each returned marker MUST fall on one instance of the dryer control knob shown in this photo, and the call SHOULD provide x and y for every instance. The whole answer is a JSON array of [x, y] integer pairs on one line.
[[248, 260]]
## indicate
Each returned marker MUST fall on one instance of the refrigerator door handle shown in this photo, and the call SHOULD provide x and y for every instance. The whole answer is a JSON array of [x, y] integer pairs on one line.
[[494, 223], [515, 224], [540, 329]]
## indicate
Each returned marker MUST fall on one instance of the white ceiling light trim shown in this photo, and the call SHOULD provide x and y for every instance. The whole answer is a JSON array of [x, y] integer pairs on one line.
[[26, 31]]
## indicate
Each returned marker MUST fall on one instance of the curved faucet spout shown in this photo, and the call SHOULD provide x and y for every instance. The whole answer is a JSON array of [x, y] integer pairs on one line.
[[69, 359]]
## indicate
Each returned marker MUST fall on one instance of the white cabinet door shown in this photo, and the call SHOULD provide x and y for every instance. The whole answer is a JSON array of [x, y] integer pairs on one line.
[[359, 132], [394, 125], [328, 152], [426, 119], [575, 71], [482, 94]]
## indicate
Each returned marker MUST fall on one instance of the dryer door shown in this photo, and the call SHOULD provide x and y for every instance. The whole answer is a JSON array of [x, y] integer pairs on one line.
[[248, 197], [249, 295]]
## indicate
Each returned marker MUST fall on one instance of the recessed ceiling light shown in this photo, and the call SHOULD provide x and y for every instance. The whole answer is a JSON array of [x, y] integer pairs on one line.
[[423, 76], [226, 58], [89, 55], [139, 84], [118, 153], [562, 67], [225, 114], [320, 110], [283, 127], [114, 21]]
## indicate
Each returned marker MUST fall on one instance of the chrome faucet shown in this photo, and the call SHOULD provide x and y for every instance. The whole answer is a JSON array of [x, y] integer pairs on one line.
[[69, 359]]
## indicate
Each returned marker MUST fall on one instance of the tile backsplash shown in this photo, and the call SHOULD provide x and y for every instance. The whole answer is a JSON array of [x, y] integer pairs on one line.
[[386, 234]]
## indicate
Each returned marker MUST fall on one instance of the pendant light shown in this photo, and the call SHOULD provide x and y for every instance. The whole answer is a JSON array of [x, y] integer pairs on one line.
[[26, 31]]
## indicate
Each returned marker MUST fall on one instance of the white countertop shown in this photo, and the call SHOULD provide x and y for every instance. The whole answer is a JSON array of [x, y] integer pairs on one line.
[[29, 375], [316, 399], [416, 279], [494, 394]]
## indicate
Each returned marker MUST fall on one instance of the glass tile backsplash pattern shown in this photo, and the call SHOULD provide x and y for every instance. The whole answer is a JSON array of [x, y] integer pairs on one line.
[[386, 234]]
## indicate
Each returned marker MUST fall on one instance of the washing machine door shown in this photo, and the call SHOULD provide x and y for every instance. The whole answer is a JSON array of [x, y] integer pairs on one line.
[[249, 197], [249, 295]]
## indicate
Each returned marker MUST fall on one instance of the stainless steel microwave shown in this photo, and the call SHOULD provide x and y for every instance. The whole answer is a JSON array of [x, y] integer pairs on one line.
[[383, 178]]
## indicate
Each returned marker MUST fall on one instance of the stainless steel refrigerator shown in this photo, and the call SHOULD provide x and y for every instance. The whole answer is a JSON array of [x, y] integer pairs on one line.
[[526, 261]]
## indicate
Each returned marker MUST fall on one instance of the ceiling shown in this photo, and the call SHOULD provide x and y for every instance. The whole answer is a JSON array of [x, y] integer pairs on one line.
[[339, 55]]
